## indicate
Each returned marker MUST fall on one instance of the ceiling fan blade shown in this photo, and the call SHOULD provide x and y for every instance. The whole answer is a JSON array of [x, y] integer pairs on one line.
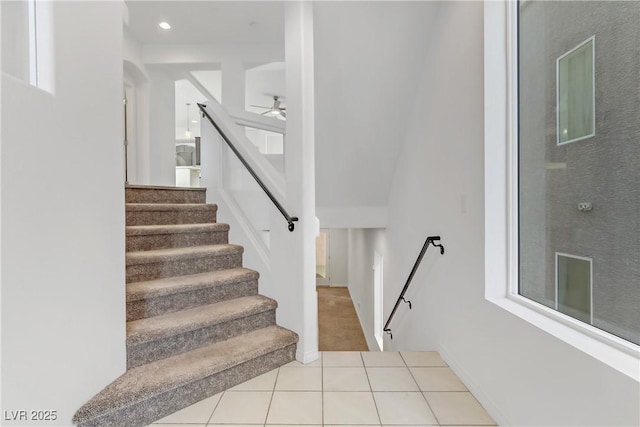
[[283, 114], [265, 113], [260, 106]]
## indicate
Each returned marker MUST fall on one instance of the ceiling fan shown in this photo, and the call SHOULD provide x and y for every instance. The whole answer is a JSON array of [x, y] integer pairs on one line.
[[275, 110]]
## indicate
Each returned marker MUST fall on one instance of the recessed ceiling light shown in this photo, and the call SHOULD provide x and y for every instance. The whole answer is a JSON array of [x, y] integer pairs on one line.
[[164, 25], [194, 121]]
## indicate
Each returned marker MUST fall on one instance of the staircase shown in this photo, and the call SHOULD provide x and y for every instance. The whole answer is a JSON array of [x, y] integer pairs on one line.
[[195, 323]]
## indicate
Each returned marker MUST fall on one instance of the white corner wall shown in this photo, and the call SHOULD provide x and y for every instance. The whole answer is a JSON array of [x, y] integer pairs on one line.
[[62, 203], [522, 375], [363, 244], [162, 121]]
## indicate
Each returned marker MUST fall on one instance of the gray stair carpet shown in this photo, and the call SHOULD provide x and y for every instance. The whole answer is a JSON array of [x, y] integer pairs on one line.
[[196, 324]]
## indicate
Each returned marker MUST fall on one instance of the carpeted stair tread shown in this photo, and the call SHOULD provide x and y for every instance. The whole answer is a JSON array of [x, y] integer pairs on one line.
[[169, 207], [145, 230], [180, 254], [153, 328], [164, 187], [149, 380], [176, 285]]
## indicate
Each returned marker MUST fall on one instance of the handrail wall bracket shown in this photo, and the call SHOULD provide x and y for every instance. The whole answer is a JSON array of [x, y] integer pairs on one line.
[[431, 240]]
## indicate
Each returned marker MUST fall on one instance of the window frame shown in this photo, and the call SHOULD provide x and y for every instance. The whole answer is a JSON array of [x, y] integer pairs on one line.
[[591, 39], [501, 201]]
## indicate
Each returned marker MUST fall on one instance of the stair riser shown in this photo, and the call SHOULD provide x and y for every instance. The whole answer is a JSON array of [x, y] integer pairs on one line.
[[170, 346], [162, 269], [199, 216], [141, 195], [176, 240], [146, 308], [150, 410]]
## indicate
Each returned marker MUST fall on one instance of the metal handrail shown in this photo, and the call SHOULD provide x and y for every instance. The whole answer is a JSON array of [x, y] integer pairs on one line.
[[431, 240], [290, 219]]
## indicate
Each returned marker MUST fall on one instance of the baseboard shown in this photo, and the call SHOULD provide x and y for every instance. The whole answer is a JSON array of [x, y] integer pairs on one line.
[[307, 357], [370, 345], [488, 404]]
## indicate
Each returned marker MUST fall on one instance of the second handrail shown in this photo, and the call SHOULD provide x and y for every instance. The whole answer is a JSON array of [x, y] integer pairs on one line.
[[290, 219], [431, 240]]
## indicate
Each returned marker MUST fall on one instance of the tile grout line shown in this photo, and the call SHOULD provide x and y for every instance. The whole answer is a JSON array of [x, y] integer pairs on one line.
[[322, 386], [214, 408], [421, 391], [273, 392], [371, 388]]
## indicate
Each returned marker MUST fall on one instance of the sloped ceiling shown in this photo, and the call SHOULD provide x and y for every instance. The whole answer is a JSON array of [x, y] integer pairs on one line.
[[368, 56]]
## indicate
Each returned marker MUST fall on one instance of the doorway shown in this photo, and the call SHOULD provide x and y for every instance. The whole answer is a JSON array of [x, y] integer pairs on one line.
[[323, 276]]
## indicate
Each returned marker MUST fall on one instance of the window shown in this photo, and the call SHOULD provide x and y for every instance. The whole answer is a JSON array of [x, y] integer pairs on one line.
[[575, 89], [520, 278], [19, 58], [579, 198], [573, 286], [27, 42]]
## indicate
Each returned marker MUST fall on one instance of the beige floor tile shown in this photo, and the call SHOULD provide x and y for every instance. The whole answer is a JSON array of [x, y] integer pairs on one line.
[[178, 425], [315, 364], [197, 413], [297, 408], [391, 379], [437, 379], [300, 380], [422, 358], [345, 379], [233, 405], [341, 358], [264, 382], [350, 408], [403, 408], [457, 408], [230, 425], [382, 358]]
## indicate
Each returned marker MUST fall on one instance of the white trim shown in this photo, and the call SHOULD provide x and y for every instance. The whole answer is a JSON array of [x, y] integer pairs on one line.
[[593, 91], [257, 121], [611, 350], [559, 254], [33, 43]]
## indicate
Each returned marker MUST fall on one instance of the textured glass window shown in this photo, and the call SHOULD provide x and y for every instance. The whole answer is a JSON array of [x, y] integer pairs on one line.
[[579, 203]]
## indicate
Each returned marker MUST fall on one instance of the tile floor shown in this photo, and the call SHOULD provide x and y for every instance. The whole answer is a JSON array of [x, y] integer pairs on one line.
[[343, 389]]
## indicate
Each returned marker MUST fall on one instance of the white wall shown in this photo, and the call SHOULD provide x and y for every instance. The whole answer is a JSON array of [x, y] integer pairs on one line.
[[522, 375], [136, 81], [63, 300], [363, 243], [162, 145], [339, 256], [368, 60]]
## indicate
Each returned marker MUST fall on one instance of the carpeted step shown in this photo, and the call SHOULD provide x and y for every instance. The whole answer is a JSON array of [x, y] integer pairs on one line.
[[148, 237], [164, 336], [161, 263], [163, 214], [160, 296], [152, 391], [152, 194]]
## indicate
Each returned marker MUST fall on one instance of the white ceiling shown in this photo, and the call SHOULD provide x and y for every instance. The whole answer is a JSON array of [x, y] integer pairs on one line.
[[207, 21]]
